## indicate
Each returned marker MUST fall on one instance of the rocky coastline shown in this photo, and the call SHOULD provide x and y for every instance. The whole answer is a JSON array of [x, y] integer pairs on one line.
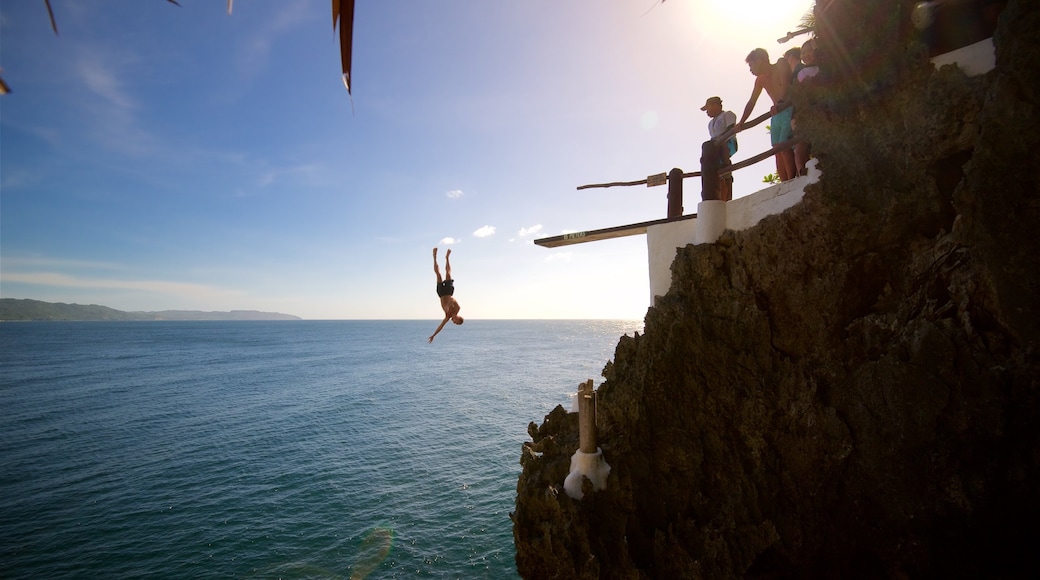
[[852, 387]]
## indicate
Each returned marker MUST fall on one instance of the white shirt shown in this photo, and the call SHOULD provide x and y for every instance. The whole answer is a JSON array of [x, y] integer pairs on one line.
[[718, 124]]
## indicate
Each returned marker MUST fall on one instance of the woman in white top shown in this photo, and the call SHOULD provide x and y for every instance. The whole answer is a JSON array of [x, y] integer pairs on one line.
[[801, 150]]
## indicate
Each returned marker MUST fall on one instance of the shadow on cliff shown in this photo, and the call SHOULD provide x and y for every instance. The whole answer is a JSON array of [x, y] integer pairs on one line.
[[849, 389]]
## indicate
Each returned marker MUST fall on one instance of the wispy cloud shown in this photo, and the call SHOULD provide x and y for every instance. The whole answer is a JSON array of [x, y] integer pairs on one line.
[[100, 77], [16, 178], [160, 286], [270, 176], [449, 241], [255, 54], [112, 108], [38, 262], [485, 232], [530, 231], [454, 194]]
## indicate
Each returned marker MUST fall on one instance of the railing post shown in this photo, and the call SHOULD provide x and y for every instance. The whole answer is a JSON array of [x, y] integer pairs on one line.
[[675, 178], [587, 417], [710, 170]]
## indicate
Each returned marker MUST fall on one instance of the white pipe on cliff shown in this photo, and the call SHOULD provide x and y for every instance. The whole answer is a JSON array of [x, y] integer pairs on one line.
[[590, 465]]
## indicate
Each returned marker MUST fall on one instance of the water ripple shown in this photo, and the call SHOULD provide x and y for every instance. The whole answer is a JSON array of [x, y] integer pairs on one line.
[[303, 449]]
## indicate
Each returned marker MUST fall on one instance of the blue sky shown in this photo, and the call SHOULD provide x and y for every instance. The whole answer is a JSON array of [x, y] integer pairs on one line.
[[158, 157]]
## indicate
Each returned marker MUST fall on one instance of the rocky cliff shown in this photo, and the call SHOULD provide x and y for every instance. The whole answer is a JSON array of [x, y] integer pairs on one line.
[[851, 388]]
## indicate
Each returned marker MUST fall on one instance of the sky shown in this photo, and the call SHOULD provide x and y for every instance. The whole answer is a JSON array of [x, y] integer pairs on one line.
[[156, 157]]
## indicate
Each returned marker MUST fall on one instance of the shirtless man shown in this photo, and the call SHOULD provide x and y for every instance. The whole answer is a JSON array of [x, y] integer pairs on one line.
[[445, 291], [776, 80]]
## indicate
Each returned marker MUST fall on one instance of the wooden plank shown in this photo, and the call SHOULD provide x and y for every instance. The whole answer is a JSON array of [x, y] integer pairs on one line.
[[590, 236], [605, 233]]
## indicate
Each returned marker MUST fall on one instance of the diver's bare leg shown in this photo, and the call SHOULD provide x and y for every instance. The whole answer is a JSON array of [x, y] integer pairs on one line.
[[437, 270]]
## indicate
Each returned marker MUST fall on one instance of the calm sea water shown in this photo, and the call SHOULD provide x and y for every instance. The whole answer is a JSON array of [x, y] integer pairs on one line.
[[336, 449]]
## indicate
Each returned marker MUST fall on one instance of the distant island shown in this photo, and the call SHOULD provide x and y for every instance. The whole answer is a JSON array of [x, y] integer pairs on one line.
[[16, 309]]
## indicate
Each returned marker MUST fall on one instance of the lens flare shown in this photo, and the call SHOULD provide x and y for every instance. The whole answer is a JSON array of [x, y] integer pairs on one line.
[[374, 549]]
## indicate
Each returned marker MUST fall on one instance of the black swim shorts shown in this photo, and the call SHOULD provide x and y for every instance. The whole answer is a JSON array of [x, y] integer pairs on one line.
[[446, 288]]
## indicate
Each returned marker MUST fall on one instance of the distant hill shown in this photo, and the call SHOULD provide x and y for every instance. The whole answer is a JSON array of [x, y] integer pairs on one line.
[[15, 309]]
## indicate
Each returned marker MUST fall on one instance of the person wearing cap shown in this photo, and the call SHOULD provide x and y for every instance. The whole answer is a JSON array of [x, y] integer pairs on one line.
[[719, 122], [776, 80]]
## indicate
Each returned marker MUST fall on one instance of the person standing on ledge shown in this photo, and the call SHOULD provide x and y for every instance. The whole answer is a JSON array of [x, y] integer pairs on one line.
[[722, 121], [776, 80], [446, 291]]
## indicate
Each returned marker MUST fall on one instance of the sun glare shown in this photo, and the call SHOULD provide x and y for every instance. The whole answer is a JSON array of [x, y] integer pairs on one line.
[[750, 18]]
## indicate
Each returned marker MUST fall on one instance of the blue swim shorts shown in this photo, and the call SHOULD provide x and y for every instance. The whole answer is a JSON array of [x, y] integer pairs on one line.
[[780, 127]]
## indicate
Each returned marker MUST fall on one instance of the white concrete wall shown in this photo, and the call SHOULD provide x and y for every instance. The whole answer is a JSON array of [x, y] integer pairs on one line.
[[661, 243], [974, 59], [740, 214]]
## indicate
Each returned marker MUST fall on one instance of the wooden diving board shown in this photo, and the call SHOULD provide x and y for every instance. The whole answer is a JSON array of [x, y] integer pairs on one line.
[[605, 233]]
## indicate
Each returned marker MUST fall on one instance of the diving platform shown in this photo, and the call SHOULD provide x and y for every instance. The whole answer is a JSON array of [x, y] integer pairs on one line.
[[606, 233], [713, 217]]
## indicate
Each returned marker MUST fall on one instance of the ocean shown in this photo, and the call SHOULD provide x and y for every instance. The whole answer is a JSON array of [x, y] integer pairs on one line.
[[289, 449]]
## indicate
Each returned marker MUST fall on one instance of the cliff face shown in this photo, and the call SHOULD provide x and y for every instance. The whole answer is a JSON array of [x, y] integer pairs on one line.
[[851, 388]]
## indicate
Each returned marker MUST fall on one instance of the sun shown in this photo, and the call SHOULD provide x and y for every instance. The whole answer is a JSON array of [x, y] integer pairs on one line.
[[747, 17]]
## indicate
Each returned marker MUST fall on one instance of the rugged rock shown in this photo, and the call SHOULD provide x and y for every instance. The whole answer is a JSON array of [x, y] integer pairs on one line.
[[851, 388]]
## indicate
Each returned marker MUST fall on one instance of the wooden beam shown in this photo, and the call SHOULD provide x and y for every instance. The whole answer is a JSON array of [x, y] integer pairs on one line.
[[605, 233]]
